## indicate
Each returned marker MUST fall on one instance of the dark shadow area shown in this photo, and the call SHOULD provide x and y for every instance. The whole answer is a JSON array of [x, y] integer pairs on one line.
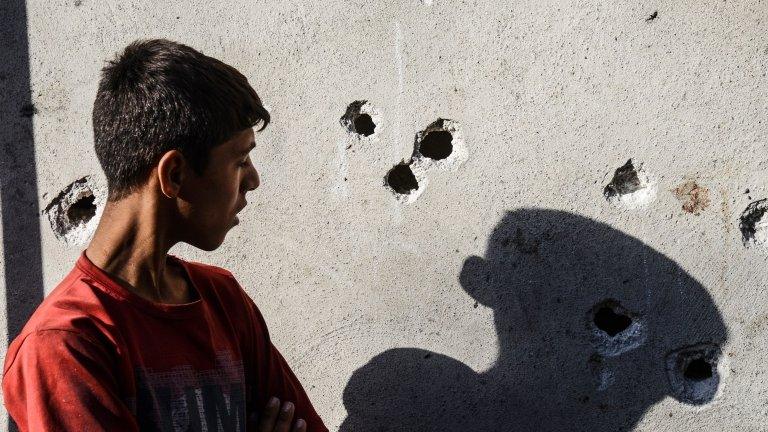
[[561, 366], [18, 177]]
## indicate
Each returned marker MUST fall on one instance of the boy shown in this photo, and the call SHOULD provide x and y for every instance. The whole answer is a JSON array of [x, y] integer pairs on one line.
[[136, 339]]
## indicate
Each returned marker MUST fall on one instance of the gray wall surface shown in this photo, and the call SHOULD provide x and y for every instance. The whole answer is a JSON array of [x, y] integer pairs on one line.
[[586, 251]]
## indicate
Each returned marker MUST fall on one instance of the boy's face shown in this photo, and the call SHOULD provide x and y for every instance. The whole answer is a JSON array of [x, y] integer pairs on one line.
[[211, 201]]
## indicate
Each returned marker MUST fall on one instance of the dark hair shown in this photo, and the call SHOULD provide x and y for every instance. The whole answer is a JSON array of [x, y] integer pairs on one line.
[[160, 95]]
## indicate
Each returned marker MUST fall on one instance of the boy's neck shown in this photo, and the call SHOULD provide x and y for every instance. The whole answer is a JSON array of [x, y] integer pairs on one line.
[[132, 242]]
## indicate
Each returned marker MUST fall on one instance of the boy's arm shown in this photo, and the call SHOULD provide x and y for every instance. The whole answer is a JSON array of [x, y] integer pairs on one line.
[[59, 380], [275, 378]]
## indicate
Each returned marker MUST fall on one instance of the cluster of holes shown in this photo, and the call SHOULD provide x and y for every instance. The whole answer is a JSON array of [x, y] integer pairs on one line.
[[435, 146], [631, 187], [692, 370]]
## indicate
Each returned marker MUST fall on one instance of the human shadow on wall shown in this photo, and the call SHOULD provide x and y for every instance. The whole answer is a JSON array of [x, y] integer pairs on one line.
[[22, 252], [594, 328], [23, 275]]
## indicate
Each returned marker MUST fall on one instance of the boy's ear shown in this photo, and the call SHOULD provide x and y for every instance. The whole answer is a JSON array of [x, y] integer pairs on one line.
[[170, 173], [477, 281]]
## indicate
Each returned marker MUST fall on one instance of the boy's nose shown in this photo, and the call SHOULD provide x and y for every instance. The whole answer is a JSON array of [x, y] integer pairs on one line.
[[253, 181]]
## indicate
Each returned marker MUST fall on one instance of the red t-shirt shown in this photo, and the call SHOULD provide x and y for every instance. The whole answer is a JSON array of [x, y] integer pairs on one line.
[[97, 357]]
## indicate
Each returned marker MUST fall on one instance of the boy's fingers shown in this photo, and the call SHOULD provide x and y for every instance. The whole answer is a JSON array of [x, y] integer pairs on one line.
[[285, 418], [300, 426], [269, 416]]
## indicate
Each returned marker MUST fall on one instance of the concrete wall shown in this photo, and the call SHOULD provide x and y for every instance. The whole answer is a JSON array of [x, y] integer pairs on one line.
[[535, 280]]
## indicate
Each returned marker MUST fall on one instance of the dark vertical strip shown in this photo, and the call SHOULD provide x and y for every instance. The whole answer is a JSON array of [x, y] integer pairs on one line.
[[18, 174]]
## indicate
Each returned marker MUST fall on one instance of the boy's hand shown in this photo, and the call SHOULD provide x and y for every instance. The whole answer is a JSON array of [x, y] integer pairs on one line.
[[278, 419]]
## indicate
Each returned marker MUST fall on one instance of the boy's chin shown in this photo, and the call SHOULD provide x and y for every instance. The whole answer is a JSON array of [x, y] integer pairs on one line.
[[209, 244], [213, 237]]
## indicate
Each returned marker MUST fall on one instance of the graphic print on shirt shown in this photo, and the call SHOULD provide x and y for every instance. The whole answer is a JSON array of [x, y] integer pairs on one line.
[[186, 400]]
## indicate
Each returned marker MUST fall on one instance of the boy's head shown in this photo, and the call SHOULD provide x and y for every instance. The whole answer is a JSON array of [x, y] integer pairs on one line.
[[173, 122]]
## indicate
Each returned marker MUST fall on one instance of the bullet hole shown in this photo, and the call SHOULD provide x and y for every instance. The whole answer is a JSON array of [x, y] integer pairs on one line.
[[653, 16], [80, 2], [360, 119], [73, 214], [82, 210], [364, 125], [611, 322], [630, 187], [28, 110], [615, 329], [694, 197], [754, 224], [625, 181], [401, 179], [440, 145], [698, 370], [437, 145], [692, 373]]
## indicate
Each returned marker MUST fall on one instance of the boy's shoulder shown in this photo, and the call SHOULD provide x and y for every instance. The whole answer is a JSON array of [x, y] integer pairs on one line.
[[82, 301]]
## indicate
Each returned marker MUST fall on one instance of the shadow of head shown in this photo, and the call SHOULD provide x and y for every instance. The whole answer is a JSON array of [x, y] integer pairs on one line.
[[594, 327]]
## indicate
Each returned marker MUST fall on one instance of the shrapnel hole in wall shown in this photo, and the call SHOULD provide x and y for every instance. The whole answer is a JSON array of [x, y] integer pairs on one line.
[[693, 374], [364, 125], [611, 322], [73, 214], [625, 181], [753, 224], [360, 119], [698, 370], [437, 145], [615, 329], [401, 179], [82, 210], [631, 187]]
